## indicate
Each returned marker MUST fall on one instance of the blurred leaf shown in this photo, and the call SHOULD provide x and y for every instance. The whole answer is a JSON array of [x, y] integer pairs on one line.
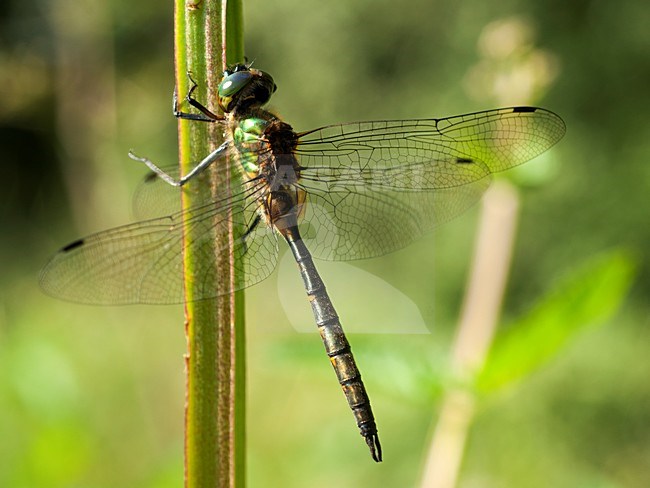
[[59, 456], [589, 295]]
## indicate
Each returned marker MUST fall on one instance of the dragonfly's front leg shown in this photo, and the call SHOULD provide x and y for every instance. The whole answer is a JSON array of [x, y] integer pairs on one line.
[[206, 114], [207, 161]]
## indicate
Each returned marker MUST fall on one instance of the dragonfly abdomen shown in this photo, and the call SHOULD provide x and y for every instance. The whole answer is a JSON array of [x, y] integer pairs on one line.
[[336, 344]]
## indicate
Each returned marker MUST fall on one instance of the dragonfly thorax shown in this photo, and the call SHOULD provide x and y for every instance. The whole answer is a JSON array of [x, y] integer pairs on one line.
[[248, 137], [265, 147]]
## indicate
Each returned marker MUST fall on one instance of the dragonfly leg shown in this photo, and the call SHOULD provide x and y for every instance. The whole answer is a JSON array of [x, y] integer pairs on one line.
[[207, 161], [206, 114]]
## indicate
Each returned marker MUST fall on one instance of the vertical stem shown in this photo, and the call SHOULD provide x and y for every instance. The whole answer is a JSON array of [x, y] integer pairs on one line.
[[475, 332], [215, 396]]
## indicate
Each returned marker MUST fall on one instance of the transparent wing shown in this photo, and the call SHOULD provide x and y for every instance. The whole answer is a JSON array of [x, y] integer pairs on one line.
[[386, 151], [361, 223], [374, 187], [142, 262], [154, 197]]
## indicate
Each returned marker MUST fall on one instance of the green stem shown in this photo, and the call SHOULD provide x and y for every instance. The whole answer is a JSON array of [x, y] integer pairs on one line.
[[215, 395]]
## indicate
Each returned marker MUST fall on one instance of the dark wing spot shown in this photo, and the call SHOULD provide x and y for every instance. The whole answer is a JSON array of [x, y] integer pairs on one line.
[[464, 160], [524, 109], [73, 245], [151, 176]]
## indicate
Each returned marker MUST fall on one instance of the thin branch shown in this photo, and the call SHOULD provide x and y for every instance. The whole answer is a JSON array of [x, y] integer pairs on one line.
[[475, 333], [215, 410]]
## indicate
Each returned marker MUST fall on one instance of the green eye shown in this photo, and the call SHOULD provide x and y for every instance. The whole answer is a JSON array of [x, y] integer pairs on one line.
[[233, 83]]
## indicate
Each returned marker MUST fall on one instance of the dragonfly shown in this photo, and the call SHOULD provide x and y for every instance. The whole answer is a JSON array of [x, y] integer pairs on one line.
[[352, 191]]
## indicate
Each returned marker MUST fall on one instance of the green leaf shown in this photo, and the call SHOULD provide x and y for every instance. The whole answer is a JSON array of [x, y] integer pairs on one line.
[[589, 295]]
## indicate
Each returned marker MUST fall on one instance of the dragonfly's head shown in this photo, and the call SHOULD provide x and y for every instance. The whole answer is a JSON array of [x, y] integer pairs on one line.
[[244, 88]]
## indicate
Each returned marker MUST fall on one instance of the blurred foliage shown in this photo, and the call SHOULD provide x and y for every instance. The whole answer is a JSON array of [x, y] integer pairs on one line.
[[592, 293], [93, 396]]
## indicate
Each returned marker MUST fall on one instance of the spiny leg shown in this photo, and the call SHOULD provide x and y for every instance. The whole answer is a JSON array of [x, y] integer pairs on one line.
[[207, 161], [206, 114]]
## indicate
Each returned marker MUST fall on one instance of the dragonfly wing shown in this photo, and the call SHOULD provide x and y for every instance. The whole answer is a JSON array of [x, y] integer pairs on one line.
[[361, 223], [143, 262], [385, 151], [154, 197], [374, 187]]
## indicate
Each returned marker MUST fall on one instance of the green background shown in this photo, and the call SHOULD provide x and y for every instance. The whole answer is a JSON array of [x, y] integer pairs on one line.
[[93, 396]]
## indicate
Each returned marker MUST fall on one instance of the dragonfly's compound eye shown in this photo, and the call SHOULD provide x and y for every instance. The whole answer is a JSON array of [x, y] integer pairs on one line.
[[234, 83], [231, 87], [243, 89]]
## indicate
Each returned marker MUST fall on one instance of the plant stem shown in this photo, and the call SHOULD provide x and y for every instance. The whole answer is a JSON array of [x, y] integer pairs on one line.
[[215, 381], [475, 333]]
